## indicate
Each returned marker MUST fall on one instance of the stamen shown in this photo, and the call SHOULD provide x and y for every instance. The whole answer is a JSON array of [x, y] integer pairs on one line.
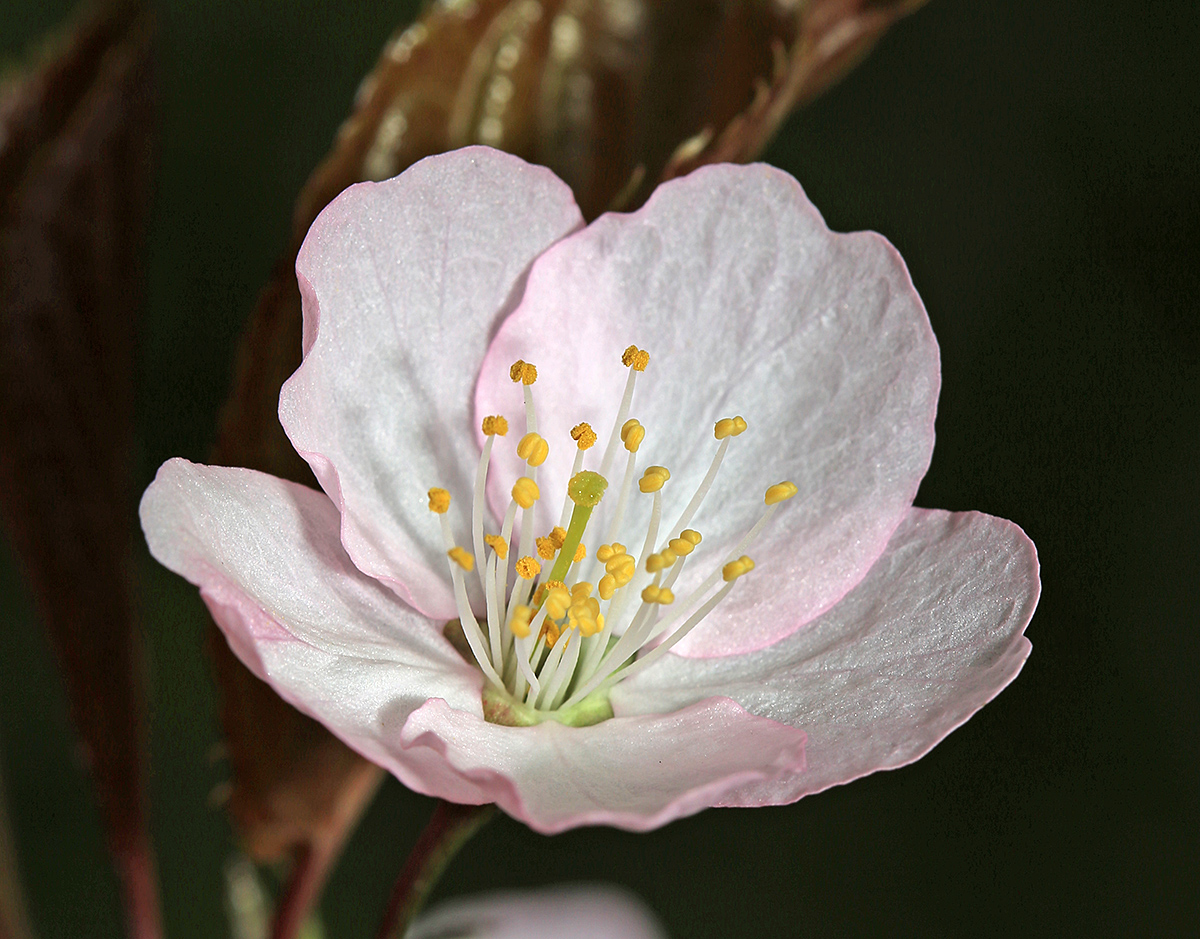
[[470, 625], [626, 400], [725, 428], [662, 648], [526, 374], [497, 544]]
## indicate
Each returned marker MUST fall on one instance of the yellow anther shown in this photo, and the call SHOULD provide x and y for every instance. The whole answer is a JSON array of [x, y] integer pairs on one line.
[[497, 544], [551, 631], [558, 601], [520, 620], [587, 488], [618, 561], [735, 569], [540, 593], [546, 549], [662, 560], [604, 552], [581, 591], [523, 372], [635, 358], [780, 492], [495, 425], [580, 552], [525, 492], [557, 536], [460, 557], [632, 434], [528, 568], [583, 435], [533, 449], [653, 478], [681, 546], [690, 534], [607, 587], [653, 594], [439, 500], [729, 427]]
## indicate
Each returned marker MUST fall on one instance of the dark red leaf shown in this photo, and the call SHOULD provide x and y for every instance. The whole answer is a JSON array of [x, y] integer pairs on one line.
[[74, 176]]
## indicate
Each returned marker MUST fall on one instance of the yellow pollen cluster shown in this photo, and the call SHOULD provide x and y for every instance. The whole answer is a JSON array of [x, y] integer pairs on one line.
[[533, 449], [635, 358], [525, 492], [653, 594], [495, 424], [460, 557], [735, 569], [524, 372], [497, 544], [729, 427], [557, 536], [632, 434], [686, 543], [522, 615], [439, 500], [661, 560], [619, 567], [653, 478], [580, 553], [583, 435], [540, 594], [528, 568], [545, 549], [780, 492]]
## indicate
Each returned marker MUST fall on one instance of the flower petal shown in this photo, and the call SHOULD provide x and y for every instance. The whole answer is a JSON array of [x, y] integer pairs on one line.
[[748, 305], [636, 773], [270, 566], [579, 911], [403, 282], [933, 633]]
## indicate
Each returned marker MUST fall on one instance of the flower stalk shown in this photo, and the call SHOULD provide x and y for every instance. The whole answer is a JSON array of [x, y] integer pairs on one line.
[[450, 827]]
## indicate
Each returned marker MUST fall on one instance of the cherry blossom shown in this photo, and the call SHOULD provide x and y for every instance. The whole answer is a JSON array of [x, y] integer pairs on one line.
[[617, 521]]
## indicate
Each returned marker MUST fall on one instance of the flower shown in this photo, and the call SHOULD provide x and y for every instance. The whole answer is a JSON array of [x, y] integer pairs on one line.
[[582, 911], [811, 628]]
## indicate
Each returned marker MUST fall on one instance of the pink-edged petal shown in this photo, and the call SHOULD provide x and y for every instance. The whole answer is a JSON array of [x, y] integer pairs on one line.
[[267, 558], [636, 773], [748, 305], [578, 911], [934, 632], [403, 283]]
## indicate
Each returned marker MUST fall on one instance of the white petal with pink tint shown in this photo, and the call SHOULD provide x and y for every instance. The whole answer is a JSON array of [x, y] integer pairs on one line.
[[331, 640], [403, 283], [636, 773], [748, 305], [934, 632]]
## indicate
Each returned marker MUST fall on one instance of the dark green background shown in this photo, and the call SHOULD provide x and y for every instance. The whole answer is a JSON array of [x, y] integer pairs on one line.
[[1037, 165]]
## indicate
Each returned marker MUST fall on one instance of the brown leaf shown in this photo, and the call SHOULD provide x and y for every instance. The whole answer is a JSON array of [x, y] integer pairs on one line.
[[604, 92], [74, 177]]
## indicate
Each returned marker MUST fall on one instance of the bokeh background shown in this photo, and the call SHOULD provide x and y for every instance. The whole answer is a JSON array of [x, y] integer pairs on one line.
[[1037, 164]]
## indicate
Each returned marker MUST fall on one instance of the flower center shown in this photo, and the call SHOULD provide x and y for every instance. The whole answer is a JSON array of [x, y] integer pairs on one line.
[[572, 626]]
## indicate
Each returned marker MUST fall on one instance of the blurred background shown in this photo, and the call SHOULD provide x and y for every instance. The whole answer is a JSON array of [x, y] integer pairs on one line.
[[1036, 163]]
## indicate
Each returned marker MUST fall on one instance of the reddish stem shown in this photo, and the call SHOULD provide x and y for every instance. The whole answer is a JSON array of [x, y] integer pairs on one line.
[[450, 827]]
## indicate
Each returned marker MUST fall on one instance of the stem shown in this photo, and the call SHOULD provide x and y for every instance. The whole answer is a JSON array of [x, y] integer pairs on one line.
[[309, 867], [450, 827]]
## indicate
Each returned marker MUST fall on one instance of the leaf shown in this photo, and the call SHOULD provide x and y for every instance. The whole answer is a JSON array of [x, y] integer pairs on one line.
[[613, 95], [75, 137]]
